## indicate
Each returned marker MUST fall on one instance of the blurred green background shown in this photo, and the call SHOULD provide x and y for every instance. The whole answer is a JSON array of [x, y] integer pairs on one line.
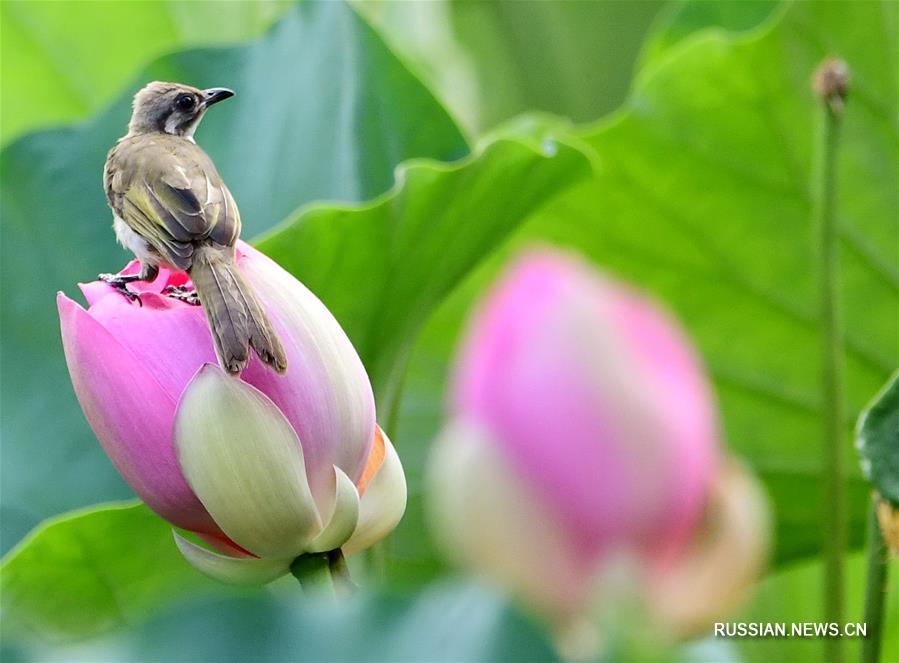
[[670, 142]]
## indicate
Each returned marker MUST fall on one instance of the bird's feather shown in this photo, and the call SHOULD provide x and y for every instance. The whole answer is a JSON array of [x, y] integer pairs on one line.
[[167, 190]]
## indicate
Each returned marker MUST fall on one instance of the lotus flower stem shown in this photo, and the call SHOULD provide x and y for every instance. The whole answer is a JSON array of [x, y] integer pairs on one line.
[[313, 570], [831, 85], [875, 587], [340, 573]]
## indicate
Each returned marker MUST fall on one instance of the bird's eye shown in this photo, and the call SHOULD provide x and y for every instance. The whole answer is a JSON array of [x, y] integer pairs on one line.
[[185, 102]]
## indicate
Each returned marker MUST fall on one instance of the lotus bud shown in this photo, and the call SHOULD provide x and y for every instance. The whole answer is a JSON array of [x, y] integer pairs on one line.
[[262, 468], [581, 432]]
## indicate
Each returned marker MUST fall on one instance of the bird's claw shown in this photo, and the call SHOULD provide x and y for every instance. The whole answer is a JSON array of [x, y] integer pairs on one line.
[[121, 286], [182, 294]]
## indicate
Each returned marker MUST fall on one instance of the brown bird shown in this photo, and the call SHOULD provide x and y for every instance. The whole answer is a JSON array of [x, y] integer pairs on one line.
[[171, 208]]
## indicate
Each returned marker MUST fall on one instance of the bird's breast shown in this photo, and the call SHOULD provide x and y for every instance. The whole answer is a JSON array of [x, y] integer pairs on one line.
[[134, 242]]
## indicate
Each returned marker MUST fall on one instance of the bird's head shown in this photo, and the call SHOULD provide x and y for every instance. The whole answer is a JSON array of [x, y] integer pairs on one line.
[[172, 108]]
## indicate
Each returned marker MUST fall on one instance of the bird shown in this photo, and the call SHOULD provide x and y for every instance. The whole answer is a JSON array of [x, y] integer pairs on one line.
[[172, 209]]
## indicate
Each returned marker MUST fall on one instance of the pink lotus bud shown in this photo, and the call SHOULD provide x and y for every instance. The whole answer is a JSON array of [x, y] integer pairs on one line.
[[263, 467], [581, 429]]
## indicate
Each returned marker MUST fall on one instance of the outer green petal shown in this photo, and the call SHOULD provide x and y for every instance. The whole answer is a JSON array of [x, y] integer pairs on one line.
[[232, 570], [344, 515], [245, 463], [383, 503]]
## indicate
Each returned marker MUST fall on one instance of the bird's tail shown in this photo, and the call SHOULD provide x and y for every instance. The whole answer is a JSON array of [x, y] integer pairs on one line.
[[236, 318]]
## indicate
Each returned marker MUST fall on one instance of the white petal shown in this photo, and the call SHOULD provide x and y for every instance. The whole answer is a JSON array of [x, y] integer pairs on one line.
[[245, 463], [232, 570], [383, 502], [487, 518], [344, 515]]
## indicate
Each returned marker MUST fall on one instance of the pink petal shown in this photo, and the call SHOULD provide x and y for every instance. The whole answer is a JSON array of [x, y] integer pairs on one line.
[[131, 414], [674, 375], [94, 291], [168, 338]]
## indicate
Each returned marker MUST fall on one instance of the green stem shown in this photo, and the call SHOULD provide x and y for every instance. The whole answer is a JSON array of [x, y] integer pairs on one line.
[[831, 85], [875, 587], [313, 570], [340, 573]]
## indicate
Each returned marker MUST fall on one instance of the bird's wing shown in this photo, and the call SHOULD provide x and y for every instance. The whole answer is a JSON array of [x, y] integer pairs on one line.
[[174, 198]]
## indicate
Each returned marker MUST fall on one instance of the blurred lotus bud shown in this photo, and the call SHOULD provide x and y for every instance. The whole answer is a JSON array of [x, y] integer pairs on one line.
[[263, 467], [581, 431]]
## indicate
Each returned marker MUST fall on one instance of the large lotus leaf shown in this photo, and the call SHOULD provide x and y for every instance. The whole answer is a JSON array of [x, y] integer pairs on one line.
[[61, 61], [324, 110], [493, 60], [445, 622], [450, 621], [115, 569], [89, 571], [681, 19]]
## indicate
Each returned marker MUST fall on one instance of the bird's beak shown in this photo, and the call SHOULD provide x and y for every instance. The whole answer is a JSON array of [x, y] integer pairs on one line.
[[216, 94]]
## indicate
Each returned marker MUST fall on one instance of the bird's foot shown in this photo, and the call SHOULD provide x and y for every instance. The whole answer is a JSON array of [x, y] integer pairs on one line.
[[182, 294], [120, 283]]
